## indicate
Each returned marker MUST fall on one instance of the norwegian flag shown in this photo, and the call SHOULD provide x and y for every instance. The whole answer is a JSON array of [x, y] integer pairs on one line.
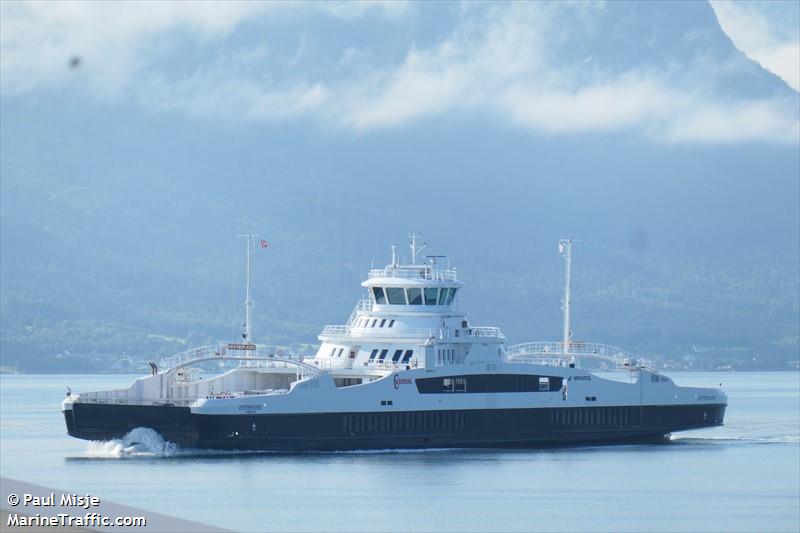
[[264, 244]]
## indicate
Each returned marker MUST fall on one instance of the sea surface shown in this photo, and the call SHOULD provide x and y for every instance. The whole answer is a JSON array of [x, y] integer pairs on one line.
[[744, 476]]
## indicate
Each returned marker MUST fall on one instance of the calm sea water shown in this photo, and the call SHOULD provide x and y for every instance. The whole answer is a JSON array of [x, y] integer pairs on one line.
[[741, 477]]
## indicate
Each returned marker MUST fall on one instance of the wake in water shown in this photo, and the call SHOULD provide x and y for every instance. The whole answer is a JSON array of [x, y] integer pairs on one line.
[[754, 439], [139, 442]]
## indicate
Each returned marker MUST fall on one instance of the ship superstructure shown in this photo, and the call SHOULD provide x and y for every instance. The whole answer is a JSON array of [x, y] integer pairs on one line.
[[407, 370]]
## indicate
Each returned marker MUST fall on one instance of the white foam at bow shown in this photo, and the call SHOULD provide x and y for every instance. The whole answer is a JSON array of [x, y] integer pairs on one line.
[[137, 442]]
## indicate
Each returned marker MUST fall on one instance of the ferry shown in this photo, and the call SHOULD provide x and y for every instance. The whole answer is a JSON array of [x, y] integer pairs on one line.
[[408, 369]]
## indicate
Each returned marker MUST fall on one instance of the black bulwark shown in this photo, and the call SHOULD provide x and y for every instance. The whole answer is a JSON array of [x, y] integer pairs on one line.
[[487, 428]]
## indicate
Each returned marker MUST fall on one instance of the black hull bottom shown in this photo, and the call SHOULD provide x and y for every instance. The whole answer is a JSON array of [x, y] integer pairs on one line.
[[484, 428]]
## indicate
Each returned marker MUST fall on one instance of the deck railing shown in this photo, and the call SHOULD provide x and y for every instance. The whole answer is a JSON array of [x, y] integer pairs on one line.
[[388, 333], [554, 351], [219, 350], [364, 304], [487, 332], [415, 272], [348, 331]]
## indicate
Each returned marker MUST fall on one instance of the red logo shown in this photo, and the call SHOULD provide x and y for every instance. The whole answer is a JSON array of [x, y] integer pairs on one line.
[[401, 381]]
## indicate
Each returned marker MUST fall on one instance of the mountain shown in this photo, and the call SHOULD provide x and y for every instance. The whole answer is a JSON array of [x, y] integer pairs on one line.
[[118, 221]]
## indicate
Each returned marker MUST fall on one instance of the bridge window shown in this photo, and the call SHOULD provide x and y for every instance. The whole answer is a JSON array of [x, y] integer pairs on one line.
[[391, 323], [430, 295], [446, 295], [396, 295], [407, 356], [383, 355], [451, 293], [380, 299], [374, 321], [415, 296], [383, 322], [396, 356], [442, 296], [373, 354]]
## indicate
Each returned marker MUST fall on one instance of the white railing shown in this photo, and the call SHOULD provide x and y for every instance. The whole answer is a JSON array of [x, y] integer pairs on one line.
[[221, 350], [423, 272], [364, 304], [488, 332], [391, 366], [383, 333], [349, 331], [85, 397], [553, 361], [554, 351], [121, 397]]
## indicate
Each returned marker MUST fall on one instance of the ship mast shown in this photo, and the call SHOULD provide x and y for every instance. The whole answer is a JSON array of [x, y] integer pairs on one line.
[[248, 302], [414, 248], [565, 249]]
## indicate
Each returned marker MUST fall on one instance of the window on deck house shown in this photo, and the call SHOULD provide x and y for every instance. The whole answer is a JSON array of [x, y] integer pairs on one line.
[[443, 296], [430, 295], [451, 293], [396, 295], [415, 296], [380, 298]]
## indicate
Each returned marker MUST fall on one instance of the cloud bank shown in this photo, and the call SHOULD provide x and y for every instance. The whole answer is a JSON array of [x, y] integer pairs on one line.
[[768, 32], [517, 65]]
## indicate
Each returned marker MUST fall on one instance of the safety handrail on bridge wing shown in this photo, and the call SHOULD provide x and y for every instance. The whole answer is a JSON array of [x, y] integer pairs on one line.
[[425, 272]]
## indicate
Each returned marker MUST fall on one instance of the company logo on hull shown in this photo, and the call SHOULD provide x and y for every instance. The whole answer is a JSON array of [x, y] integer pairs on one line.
[[401, 381]]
